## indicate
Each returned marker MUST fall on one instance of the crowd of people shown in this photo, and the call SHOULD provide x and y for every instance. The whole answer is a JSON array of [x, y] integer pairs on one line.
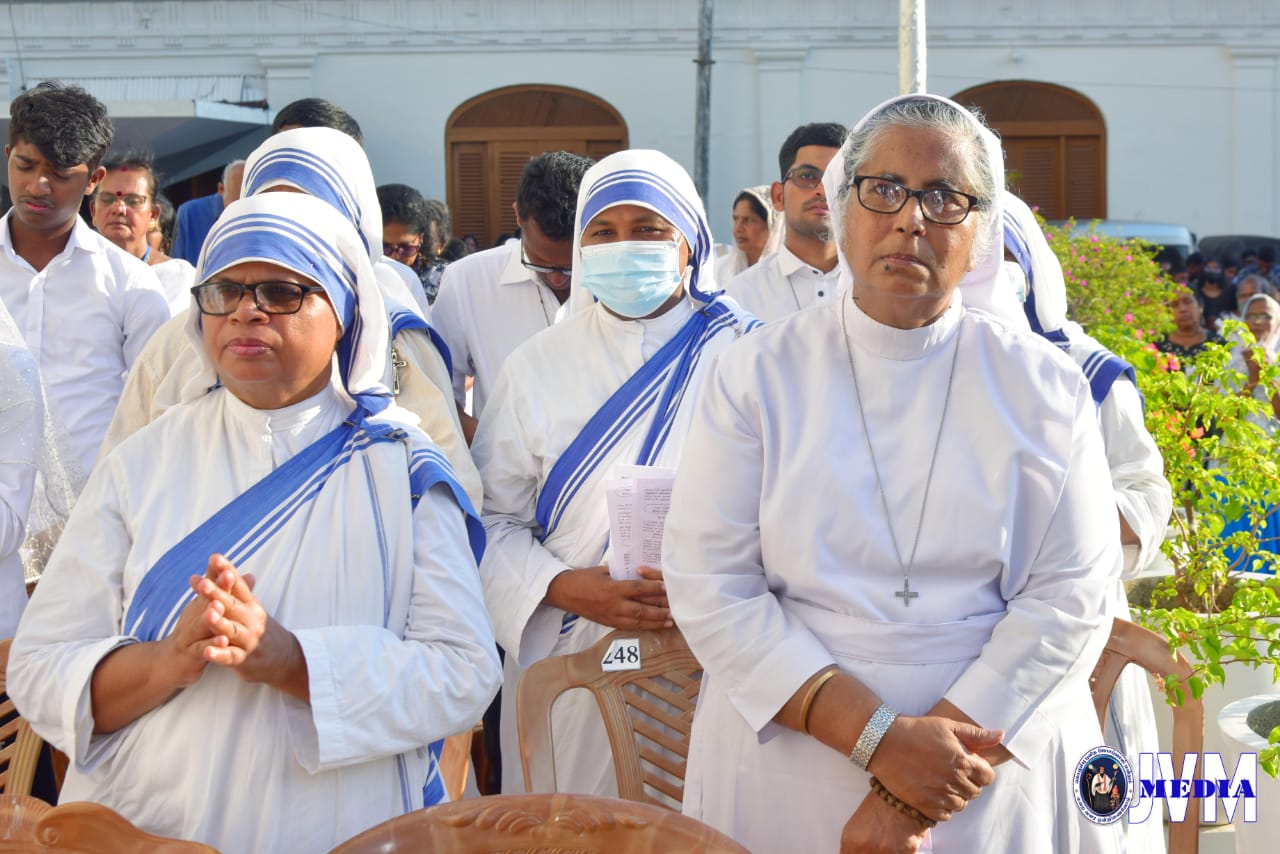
[[330, 463]]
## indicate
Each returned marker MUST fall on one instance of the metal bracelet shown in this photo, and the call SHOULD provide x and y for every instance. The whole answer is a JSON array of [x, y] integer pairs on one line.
[[869, 740]]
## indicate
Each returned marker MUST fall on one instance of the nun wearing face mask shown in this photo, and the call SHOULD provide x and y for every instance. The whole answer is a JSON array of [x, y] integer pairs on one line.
[[612, 384]]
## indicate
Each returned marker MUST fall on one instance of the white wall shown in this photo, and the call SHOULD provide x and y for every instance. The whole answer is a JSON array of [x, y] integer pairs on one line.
[[1188, 89]]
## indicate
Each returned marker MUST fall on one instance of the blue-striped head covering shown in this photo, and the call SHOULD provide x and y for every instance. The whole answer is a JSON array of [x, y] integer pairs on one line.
[[327, 164], [310, 238], [651, 180], [1045, 307]]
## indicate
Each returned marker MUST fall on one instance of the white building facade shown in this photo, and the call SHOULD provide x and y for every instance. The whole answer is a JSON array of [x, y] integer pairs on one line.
[[1185, 94]]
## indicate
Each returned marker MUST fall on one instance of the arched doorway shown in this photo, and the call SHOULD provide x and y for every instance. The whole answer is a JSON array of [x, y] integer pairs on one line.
[[1055, 145], [490, 138]]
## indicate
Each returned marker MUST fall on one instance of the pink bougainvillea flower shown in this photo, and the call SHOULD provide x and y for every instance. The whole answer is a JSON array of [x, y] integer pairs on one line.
[[1197, 433], [1128, 317]]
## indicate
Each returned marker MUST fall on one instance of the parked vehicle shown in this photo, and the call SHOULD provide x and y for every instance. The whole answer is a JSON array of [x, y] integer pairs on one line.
[[1170, 236], [1233, 245]]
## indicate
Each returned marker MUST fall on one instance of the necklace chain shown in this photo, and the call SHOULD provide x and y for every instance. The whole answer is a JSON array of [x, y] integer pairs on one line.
[[906, 595]]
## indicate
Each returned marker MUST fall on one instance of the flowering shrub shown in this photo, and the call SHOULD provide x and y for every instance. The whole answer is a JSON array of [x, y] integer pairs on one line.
[[1222, 466]]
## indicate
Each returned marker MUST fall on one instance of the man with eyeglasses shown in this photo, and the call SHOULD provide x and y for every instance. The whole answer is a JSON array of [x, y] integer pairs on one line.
[[85, 307], [491, 302], [803, 270], [125, 210]]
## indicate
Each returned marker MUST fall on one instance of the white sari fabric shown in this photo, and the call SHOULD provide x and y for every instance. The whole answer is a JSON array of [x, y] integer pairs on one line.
[[539, 423], [778, 561], [362, 547]]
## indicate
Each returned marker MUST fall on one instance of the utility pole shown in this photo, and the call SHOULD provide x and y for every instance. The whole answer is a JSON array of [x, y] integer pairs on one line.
[[702, 120], [912, 65]]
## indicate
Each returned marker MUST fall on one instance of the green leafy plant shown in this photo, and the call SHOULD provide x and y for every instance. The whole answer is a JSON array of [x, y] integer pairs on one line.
[[1221, 464]]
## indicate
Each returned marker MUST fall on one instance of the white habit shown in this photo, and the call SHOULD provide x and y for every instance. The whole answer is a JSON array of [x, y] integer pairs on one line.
[[85, 317], [547, 391], [488, 305], [399, 651], [781, 284], [177, 277], [778, 563]]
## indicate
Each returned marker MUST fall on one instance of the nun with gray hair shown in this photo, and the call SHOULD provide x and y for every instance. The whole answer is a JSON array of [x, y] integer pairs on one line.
[[888, 555]]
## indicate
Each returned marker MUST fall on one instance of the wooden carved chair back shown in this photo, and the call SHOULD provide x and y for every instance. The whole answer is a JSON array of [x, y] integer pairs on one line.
[[31, 826], [648, 712], [1132, 644], [19, 745], [547, 822]]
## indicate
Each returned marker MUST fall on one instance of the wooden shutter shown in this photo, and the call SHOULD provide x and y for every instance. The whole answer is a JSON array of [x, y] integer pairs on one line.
[[1084, 180], [1035, 167], [469, 189]]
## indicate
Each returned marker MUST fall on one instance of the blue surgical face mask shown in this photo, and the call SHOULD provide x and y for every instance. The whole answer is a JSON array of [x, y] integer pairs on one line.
[[633, 278]]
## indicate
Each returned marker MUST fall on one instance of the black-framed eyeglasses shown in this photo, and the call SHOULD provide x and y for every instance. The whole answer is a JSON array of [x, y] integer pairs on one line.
[[222, 298], [402, 250], [886, 196], [540, 269], [133, 201], [804, 177]]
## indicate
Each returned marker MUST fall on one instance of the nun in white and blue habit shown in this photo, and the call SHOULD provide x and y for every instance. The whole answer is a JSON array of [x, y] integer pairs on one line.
[[1143, 497], [611, 384], [361, 543]]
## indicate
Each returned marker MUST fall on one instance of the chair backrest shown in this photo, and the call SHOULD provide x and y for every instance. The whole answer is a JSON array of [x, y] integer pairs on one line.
[[1130, 643], [648, 713], [455, 762], [19, 745], [548, 822], [31, 826]]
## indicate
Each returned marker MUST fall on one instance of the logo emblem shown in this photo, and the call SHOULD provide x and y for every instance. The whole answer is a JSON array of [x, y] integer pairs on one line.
[[1103, 785]]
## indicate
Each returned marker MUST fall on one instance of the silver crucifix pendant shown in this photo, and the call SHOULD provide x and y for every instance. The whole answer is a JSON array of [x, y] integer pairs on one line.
[[906, 594]]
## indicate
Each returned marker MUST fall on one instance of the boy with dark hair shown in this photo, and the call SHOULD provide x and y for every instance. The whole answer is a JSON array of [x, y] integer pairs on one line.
[[85, 307], [802, 271], [491, 301], [316, 113]]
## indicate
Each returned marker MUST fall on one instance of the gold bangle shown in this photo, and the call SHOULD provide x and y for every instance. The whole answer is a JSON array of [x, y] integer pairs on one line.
[[809, 697], [900, 805]]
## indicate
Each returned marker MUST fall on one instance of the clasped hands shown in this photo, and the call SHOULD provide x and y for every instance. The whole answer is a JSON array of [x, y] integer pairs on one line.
[[934, 763], [227, 626], [592, 593]]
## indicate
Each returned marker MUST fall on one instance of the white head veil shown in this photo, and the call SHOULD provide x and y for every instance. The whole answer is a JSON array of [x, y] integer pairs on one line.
[[775, 219], [982, 288], [651, 180], [308, 236], [1270, 344], [324, 163], [1045, 307]]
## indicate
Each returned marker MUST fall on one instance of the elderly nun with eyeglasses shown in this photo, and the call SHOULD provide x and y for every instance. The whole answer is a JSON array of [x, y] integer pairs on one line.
[[264, 613], [891, 534]]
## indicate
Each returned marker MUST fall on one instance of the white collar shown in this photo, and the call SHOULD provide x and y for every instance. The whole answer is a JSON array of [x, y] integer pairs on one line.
[[900, 345], [789, 262]]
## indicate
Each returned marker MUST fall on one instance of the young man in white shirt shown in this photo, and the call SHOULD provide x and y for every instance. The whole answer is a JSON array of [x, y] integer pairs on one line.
[[491, 302], [803, 270], [85, 307]]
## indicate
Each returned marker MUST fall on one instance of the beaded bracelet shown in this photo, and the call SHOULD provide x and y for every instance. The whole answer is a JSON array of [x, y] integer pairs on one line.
[[900, 805], [812, 694]]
